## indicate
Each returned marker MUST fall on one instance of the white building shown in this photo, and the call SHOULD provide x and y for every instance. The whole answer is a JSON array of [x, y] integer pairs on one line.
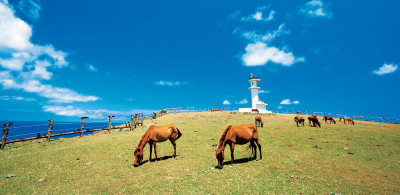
[[256, 103]]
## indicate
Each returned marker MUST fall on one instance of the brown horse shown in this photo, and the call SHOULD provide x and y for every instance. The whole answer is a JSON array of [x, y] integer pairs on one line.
[[299, 119], [153, 135], [330, 119], [240, 134], [298, 112], [258, 121], [314, 120], [348, 119]]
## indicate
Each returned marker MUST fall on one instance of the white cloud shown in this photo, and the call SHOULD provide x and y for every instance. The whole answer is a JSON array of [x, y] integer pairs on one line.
[[316, 8], [14, 33], [19, 98], [259, 54], [244, 101], [259, 15], [91, 113], [226, 102], [263, 91], [386, 69], [64, 110], [286, 102], [30, 8], [55, 94], [91, 68], [253, 36], [169, 83], [26, 63], [279, 107]]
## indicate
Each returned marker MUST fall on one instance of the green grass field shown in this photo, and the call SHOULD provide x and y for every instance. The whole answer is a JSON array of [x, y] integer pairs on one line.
[[364, 158]]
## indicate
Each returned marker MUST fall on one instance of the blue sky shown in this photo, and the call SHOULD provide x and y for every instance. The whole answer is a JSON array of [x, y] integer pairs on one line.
[[66, 59]]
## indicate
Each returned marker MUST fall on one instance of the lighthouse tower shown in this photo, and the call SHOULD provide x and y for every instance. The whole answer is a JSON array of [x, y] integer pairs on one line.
[[254, 91], [256, 103]]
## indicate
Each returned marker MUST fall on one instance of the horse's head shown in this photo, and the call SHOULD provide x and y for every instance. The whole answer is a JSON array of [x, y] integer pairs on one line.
[[138, 156], [262, 124], [220, 157]]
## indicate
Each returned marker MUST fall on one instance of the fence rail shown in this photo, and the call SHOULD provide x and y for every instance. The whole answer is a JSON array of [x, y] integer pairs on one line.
[[136, 120]]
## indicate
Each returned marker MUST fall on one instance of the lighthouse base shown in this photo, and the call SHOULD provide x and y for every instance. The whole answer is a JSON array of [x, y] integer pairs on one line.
[[248, 110]]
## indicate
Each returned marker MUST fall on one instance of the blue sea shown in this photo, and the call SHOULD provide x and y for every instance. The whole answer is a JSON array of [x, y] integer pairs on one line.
[[27, 129]]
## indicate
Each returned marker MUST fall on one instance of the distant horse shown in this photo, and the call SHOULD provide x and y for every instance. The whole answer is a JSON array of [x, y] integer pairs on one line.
[[314, 120], [153, 135], [258, 121], [240, 134], [255, 111], [299, 119], [348, 119], [298, 112], [330, 119]]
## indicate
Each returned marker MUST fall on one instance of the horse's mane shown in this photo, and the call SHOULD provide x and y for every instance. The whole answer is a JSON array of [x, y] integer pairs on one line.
[[141, 139], [223, 135]]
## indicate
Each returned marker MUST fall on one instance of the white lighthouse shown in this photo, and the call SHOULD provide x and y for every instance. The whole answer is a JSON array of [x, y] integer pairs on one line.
[[256, 103]]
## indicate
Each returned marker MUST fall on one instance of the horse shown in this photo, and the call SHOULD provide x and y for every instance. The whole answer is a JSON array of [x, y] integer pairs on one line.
[[153, 135], [330, 119], [299, 119], [348, 119], [258, 121], [298, 112], [314, 120], [240, 134]]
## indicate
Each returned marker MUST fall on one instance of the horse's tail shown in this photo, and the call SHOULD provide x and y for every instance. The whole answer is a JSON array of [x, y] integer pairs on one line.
[[179, 134], [253, 148]]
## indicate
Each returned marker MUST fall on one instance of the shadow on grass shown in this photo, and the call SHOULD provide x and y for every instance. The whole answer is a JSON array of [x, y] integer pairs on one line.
[[154, 160], [237, 161]]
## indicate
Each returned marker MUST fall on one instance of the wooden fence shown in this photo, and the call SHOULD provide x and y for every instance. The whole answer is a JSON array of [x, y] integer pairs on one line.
[[136, 120]]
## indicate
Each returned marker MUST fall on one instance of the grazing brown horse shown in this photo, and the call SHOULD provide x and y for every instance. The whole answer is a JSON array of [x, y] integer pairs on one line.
[[330, 119], [314, 120], [153, 135], [240, 134], [348, 119], [298, 112], [258, 121], [299, 119]]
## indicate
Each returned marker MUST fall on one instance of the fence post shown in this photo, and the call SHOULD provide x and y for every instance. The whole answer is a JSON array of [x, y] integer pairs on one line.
[[3, 140], [83, 124], [109, 123], [132, 122], [50, 128]]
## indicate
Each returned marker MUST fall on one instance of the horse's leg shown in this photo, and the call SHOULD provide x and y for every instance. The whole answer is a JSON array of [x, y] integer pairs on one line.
[[155, 150], [253, 149], [174, 144], [232, 146], [151, 148], [259, 147]]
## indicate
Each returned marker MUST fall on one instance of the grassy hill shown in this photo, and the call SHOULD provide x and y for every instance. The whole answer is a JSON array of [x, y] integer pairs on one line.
[[364, 158]]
